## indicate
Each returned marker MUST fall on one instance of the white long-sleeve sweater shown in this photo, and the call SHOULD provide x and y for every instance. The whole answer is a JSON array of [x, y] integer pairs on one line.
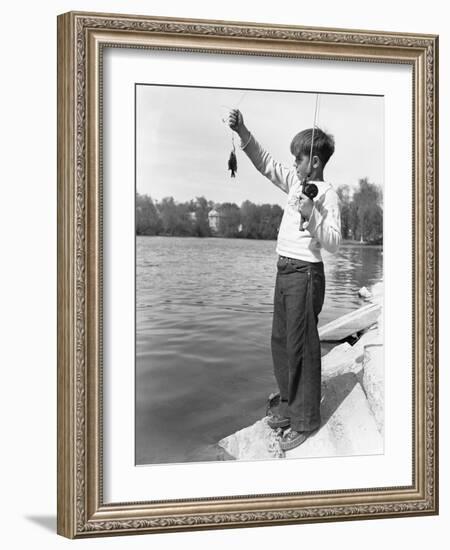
[[322, 230]]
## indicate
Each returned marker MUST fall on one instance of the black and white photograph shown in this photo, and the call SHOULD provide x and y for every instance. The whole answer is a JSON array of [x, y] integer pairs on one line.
[[259, 274]]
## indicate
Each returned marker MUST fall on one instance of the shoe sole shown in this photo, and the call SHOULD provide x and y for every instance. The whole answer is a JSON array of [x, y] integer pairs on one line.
[[287, 446]]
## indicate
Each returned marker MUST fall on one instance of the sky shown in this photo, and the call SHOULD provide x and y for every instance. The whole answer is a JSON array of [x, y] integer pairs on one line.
[[183, 145]]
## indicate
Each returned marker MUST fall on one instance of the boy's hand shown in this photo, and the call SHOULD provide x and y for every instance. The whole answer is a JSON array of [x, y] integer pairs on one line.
[[305, 206], [236, 123], [236, 120]]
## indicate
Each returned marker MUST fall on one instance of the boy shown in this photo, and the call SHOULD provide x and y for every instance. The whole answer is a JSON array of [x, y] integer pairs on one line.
[[307, 226]]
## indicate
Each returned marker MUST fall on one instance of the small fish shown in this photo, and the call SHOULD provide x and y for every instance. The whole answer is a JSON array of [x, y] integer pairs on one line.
[[232, 164]]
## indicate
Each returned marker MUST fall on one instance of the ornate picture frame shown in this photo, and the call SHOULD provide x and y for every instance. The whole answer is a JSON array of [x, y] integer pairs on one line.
[[82, 39]]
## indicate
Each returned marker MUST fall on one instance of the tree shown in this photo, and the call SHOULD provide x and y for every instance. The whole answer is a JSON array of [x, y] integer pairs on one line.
[[172, 216], [250, 220], [374, 225], [346, 211], [148, 221], [200, 208], [229, 219], [269, 221], [367, 210]]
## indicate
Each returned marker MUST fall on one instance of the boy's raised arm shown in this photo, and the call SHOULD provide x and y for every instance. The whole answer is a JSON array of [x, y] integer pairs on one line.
[[278, 174]]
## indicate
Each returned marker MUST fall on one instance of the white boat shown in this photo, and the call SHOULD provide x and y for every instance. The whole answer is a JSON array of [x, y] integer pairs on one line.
[[351, 323]]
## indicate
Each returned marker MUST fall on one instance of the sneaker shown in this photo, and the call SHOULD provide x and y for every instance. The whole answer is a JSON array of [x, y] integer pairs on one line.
[[292, 439], [276, 421]]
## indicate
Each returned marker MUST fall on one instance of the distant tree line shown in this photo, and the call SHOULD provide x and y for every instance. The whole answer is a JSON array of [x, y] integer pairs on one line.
[[167, 217], [183, 219], [361, 216]]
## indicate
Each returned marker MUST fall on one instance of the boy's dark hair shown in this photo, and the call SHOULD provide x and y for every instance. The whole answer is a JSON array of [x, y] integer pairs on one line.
[[323, 146]]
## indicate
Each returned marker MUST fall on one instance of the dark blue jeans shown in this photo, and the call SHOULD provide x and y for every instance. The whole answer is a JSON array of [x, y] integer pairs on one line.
[[299, 295]]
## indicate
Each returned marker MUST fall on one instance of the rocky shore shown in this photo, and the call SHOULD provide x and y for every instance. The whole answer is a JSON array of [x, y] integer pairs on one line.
[[352, 408]]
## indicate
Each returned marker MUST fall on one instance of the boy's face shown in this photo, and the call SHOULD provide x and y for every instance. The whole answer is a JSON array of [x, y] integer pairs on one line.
[[301, 165]]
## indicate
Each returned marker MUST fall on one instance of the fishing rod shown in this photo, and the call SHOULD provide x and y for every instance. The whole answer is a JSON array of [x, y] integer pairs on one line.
[[310, 189]]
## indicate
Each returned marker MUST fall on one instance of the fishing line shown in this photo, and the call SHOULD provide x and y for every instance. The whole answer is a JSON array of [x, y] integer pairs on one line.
[[319, 102], [235, 107], [313, 132]]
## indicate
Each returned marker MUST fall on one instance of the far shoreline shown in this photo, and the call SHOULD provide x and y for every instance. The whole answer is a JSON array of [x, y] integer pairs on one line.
[[344, 242]]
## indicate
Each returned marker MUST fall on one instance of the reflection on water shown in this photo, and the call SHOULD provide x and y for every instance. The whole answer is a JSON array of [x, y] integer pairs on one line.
[[203, 322]]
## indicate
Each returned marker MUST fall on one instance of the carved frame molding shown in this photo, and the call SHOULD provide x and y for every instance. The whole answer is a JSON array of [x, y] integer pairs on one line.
[[81, 37]]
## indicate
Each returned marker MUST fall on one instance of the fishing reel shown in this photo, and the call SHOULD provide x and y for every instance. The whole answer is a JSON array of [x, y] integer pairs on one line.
[[311, 191]]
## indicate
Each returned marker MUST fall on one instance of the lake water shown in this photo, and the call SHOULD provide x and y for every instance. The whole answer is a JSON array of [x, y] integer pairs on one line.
[[203, 324]]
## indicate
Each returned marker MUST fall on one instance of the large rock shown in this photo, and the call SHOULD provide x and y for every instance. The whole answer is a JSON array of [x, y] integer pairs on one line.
[[351, 430], [348, 428], [352, 407], [346, 358], [372, 336], [341, 359], [253, 442], [377, 292], [373, 382]]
